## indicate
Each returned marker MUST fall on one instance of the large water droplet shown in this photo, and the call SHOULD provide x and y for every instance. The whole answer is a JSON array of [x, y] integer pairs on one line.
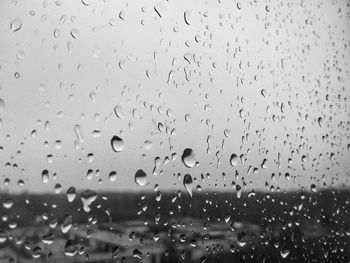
[[188, 158], [140, 177]]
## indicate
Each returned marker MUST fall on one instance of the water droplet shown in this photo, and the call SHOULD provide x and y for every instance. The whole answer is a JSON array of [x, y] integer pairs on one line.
[[140, 177], [71, 194], [188, 183], [187, 16], [71, 248], [45, 176], [313, 188], [20, 55], [119, 112], [112, 176], [88, 197], [117, 144], [227, 133], [79, 133], [75, 33], [320, 121], [7, 203], [67, 224], [242, 239], [285, 253], [148, 145], [234, 159], [16, 24], [159, 8], [188, 118], [188, 158]]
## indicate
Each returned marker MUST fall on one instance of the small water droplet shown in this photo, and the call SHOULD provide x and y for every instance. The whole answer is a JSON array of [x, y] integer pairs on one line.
[[234, 159], [148, 145], [112, 176], [187, 182], [119, 112], [16, 24], [75, 33], [187, 16], [313, 188], [242, 239], [71, 194], [45, 176]]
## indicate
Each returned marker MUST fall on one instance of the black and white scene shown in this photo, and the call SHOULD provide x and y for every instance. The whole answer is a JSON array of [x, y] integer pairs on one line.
[[174, 131]]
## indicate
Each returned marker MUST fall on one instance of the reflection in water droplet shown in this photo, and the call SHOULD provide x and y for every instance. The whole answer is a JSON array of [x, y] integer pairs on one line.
[[117, 144], [45, 176], [140, 177], [313, 188], [285, 253], [188, 158], [187, 182], [71, 248], [88, 197], [71, 194], [242, 239]]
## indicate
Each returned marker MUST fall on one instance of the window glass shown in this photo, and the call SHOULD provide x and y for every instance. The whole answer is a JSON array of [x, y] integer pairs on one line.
[[174, 131]]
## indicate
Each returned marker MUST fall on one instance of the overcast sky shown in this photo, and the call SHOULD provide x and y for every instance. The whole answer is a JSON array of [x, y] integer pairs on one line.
[[274, 75]]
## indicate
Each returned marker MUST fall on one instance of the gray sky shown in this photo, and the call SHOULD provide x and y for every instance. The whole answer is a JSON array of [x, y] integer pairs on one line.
[[275, 74]]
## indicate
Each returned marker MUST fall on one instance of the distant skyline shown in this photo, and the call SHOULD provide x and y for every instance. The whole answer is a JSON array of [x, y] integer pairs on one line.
[[261, 81]]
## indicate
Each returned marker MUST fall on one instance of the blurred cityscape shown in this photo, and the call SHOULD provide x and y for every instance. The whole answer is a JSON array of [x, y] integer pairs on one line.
[[209, 227]]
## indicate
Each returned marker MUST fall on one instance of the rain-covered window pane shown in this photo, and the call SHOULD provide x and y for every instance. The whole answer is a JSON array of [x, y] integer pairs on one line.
[[174, 131]]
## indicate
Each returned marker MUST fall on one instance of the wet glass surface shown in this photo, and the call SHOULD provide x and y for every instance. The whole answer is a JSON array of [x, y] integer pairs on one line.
[[174, 131]]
